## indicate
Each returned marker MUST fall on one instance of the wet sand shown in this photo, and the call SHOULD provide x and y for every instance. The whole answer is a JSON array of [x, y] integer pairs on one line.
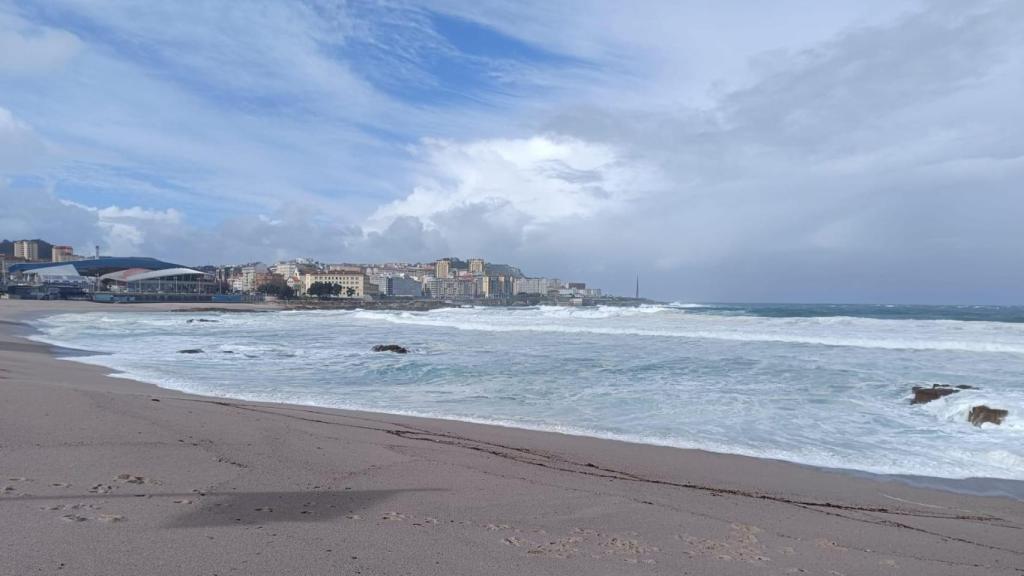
[[103, 475]]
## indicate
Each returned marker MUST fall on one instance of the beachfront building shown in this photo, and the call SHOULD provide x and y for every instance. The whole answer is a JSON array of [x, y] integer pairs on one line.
[[463, 288], [353, 284], [495, 286], [26, 249], [250, 277], [111, 279], [476, 266], [398, 285], [536, 285], [62, 254]]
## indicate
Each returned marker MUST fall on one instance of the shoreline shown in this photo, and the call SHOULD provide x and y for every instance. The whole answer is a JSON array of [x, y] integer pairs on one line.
[[666, 509], [971, 485]]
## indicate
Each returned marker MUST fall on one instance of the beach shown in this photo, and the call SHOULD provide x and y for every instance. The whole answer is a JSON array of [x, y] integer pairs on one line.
[[105, 475]]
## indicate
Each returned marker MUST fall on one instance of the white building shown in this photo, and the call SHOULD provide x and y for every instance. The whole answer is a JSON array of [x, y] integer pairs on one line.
[[536, 285], [353, 284]]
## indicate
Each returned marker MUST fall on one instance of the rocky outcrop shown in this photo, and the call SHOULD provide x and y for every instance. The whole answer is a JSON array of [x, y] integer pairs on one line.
[[191, 351], [924, 395], [390, 348], [191, 320], [983, 414]]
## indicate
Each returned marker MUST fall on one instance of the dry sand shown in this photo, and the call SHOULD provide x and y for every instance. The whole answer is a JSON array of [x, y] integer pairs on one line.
[[108, 476]]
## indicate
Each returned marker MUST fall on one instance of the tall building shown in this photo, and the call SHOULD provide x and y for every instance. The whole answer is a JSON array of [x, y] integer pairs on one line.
[[452, 288], [442, 268], [26, 249], [405, 287], [495, 286], [476, 266], [63, 254]]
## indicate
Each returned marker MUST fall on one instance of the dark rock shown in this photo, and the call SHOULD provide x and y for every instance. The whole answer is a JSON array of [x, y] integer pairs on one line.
[[390, 348], [191, 351], [981, 414], [965, 387], [924, 395], [191, 320]]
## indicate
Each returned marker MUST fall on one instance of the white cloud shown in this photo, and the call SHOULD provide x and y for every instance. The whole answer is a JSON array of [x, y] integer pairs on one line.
[[34, 49], [529, 182], [796, 150]]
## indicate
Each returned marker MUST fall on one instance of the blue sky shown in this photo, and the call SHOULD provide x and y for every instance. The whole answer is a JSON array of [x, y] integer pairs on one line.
[[854, 151]]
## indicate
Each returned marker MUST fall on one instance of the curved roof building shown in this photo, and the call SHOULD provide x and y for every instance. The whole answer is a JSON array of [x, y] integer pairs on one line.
[[94, 267]]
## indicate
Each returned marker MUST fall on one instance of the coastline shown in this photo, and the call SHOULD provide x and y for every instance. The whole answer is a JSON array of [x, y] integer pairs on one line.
[[274, 488]]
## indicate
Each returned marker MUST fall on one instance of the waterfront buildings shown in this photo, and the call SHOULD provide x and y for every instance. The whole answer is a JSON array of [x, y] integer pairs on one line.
[[442, 268], [26, 249], [63, 254], [353, 284], [463, 288], [250, 277], [536, 285], [402, 287], [450, 278]]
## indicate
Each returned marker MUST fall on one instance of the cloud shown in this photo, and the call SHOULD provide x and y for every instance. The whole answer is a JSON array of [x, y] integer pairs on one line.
[[520, 183], [27, 49], [794, 151], [21, 148]]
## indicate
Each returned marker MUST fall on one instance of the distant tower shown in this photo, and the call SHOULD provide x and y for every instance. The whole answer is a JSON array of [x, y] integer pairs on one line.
[[97, 252], [637, 286]]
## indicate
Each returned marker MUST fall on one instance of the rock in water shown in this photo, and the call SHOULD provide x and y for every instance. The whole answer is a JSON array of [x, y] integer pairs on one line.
[[191, 351], [924, 395], [981, 414], [390, 348]]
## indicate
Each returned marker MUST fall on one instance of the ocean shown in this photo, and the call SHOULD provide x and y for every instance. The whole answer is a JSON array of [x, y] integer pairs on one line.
[[823, 385]]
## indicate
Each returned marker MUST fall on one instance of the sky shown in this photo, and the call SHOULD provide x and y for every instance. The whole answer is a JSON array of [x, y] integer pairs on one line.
[[789, 151]]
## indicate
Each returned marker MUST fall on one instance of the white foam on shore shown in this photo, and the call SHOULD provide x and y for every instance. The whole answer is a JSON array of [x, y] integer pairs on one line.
[[695, 393], [739, 331]]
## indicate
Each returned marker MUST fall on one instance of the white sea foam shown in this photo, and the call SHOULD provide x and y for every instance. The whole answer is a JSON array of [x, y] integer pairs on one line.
[[827, 391]]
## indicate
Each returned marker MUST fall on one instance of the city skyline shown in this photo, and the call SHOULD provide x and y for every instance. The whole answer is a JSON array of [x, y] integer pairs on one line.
[[855, 152]]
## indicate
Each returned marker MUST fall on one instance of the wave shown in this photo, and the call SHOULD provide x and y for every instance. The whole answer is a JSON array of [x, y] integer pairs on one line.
[[993, 462], [735, 335]]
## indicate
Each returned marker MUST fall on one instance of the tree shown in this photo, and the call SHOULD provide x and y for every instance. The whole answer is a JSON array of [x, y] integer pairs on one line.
[[350, 291], [276, 286], [320, 289]]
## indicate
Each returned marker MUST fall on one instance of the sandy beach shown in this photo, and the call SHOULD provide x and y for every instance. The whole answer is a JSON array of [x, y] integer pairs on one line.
[[104, 475]]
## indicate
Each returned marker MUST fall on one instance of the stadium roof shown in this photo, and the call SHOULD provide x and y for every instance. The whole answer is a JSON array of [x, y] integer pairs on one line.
[[165, 273], [97, 266]]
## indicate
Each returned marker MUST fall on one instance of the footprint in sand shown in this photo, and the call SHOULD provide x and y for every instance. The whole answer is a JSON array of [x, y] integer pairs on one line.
[[101, 489], [60, 485], [183, 501], [73, 518], [742, 544], [110, 518], [132, 479], [393, 516]]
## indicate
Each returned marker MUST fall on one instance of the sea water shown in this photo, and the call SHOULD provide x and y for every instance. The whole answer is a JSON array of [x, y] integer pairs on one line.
[[819, 385]]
